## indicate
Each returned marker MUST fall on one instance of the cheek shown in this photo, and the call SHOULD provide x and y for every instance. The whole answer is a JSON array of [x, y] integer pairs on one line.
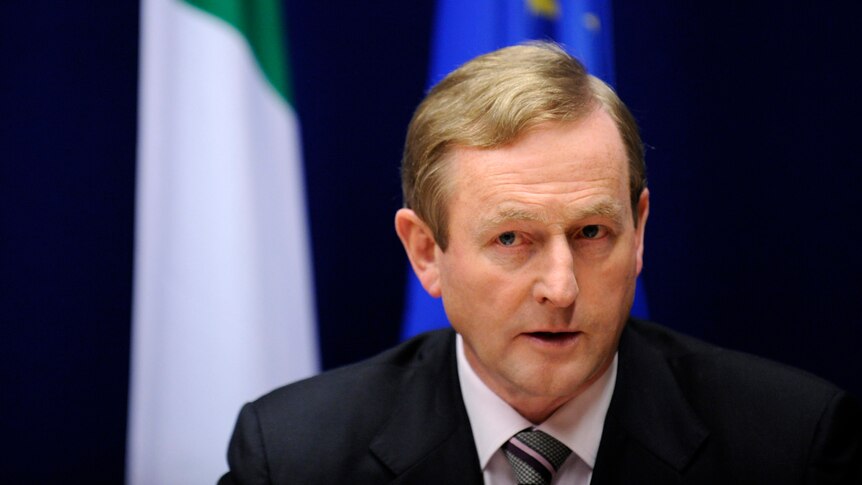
[[622, 262], [472, 278], [481, 300], [608, 281]]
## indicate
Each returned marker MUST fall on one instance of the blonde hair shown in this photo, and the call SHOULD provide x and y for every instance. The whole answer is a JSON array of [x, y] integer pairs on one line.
[[491, 100]]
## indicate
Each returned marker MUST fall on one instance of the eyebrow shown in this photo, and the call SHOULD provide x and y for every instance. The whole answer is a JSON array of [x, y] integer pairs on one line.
[[609, 208], [603, 208]]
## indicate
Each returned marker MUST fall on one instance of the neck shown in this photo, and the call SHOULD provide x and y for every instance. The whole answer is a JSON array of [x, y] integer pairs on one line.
[[538, 410], [537, 406]]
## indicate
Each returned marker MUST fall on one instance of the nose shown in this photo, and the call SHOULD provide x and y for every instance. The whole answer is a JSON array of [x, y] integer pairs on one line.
[[556, 284]]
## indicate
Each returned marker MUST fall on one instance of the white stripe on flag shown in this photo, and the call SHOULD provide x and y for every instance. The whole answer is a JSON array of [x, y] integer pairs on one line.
[[223, 307]]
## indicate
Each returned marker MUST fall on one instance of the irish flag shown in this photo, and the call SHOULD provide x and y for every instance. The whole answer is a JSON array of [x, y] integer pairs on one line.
[[223, 302]]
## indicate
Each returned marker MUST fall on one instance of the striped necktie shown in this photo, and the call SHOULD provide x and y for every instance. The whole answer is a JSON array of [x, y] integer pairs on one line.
[[535, 456]]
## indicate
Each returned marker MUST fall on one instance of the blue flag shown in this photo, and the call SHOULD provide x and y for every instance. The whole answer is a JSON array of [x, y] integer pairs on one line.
[[464, 29]]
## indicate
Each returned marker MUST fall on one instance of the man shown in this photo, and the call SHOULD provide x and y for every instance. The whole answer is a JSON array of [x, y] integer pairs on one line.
[[525, 210]]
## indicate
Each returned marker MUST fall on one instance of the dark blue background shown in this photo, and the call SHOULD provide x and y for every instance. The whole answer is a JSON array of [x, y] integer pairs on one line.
[[751, 114]]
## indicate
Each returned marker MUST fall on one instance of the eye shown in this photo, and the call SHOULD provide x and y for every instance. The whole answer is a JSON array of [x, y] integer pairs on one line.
[[593, 231], [507, 238]]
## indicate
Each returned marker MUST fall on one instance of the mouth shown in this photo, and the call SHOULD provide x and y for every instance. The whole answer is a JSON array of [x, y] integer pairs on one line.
[[553, 338]]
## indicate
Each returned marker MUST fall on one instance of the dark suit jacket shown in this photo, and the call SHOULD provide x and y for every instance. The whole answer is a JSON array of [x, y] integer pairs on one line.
[[682, 412]]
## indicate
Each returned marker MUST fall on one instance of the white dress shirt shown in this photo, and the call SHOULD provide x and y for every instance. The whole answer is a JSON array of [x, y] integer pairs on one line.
[[577, 424]]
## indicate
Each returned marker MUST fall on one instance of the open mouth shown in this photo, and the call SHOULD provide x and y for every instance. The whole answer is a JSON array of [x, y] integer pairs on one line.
[[554, 337]]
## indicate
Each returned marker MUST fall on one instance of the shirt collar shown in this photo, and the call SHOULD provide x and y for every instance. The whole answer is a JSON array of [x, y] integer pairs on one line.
[[578, 424]]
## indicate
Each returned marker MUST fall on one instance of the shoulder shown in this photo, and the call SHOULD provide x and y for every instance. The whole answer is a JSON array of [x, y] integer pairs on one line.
[[332, 418], [360, 395], [759, 415], [371, 381], [702, 367]]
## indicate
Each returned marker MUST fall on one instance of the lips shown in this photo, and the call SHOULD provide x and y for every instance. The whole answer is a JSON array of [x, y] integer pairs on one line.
[[553, 337]]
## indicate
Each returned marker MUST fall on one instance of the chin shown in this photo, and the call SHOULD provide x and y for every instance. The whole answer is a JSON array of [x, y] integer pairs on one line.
[[564, 386]]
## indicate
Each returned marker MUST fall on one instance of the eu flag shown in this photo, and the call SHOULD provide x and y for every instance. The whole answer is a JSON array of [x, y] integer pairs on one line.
[[464, 29]]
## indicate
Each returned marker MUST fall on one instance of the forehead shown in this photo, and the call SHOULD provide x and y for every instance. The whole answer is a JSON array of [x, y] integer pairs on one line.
[[565, 165]]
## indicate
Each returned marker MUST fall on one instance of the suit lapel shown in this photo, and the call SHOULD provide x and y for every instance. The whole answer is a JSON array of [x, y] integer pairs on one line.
[[428, 438], [651, 433]]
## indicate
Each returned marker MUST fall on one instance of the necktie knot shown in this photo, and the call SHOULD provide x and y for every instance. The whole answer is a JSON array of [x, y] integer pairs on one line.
[[535, 456]]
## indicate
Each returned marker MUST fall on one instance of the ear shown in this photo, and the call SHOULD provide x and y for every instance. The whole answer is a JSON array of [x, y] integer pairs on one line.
[[643, 214], [421, 249]]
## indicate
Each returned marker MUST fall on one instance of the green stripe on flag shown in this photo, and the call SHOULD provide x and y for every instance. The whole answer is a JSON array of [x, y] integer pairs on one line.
[[260, 22]]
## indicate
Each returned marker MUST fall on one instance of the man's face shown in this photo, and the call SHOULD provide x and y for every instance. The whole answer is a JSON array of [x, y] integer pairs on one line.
[[543, 254]]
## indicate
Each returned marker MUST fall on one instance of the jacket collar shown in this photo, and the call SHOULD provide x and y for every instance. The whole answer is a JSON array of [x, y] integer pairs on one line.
[[650, 425], [428, 438]]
